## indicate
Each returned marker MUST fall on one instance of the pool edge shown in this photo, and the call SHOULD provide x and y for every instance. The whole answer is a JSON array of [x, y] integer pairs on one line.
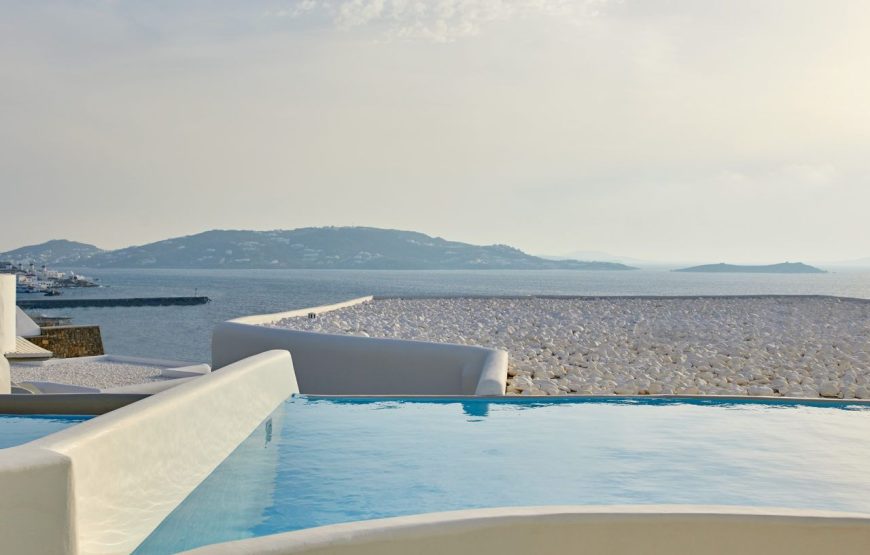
[[614, 529]]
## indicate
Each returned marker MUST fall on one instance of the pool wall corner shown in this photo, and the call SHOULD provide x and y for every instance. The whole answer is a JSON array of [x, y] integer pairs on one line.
[[330, 364], [36, 507], [104, 485]]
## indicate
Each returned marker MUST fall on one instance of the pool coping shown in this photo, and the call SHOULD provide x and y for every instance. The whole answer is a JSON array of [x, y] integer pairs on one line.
[[464, 526], [103, 485], [760, 296], [567, 398]]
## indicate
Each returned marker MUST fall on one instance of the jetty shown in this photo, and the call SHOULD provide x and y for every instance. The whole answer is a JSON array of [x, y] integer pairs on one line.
[[136, 301]]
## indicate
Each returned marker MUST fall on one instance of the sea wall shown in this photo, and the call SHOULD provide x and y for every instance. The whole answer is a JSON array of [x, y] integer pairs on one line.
[[70, 341], [627, 530], [135, 301], [103, 485]]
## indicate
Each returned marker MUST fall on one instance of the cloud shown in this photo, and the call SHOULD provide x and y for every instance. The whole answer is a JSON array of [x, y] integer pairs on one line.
[[790, 179], [300, 8], [810, 176], [650, 127], [440, 20]]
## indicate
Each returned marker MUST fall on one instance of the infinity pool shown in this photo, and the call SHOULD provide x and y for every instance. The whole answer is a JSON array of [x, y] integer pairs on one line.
[[16, 429], [320, 461]]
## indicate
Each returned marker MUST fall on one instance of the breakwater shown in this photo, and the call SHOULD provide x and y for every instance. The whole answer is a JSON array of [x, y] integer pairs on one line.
[[140, 301]]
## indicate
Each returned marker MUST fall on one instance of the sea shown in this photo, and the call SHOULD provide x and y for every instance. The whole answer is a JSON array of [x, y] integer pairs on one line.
[[183, 333]]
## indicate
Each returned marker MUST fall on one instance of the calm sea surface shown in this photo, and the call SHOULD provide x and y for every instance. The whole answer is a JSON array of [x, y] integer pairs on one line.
[[184, 332]]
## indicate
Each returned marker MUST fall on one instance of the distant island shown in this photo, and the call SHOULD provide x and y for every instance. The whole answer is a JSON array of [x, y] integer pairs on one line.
[[305, 248], [782, 268]]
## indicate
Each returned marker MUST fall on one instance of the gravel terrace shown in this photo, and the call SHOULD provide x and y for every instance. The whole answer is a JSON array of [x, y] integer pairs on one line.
[[772, 346], [88, 373]]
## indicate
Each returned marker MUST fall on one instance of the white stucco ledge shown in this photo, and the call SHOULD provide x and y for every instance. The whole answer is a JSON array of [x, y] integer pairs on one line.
[[102, 486], [261, 319], [329, 364], [559, 530]]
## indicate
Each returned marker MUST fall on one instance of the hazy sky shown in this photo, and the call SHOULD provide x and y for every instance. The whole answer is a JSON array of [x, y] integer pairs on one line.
[[659, 129]]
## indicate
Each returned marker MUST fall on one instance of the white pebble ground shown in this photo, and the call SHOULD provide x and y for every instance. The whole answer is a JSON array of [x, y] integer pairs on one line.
[[87, 373], [773, 346]]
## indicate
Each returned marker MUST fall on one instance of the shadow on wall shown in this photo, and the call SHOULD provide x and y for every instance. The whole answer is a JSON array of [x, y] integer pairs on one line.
[[349, 365]]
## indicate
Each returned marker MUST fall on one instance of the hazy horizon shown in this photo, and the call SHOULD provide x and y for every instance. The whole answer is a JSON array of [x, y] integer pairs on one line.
[[661, 130], [598, 256]]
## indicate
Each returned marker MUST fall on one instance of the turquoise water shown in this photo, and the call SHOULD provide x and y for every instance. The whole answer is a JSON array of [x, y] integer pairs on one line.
[[324, 461], [16, 429]]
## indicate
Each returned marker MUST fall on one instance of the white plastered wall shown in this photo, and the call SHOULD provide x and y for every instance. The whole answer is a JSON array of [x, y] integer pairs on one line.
[[328, 364], [611, 530], [7, 328], [100, 487], [24, 325]]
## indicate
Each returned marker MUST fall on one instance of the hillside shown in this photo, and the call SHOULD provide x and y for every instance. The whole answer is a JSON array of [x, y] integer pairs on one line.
[[327, 248], [782, 268], [57, 252]]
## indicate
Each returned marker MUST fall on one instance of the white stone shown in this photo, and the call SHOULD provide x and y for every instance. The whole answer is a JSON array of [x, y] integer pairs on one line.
[[829, 389], [709, 345], [760, 390]]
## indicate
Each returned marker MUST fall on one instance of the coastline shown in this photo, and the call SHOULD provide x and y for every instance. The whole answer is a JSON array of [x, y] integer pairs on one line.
[[185, 334], [753, 345]]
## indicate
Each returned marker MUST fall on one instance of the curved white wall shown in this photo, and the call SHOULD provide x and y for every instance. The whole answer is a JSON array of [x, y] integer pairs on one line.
[[103, 485], [327, 364], [348, 365], [259, 319], [629, 530]]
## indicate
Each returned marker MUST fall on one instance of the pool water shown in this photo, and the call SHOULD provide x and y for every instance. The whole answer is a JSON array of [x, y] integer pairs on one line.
[[16, 429], [320, 461]]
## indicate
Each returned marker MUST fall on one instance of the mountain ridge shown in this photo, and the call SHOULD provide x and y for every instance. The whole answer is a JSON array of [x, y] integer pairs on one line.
[[311, 248], [53, 252]]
